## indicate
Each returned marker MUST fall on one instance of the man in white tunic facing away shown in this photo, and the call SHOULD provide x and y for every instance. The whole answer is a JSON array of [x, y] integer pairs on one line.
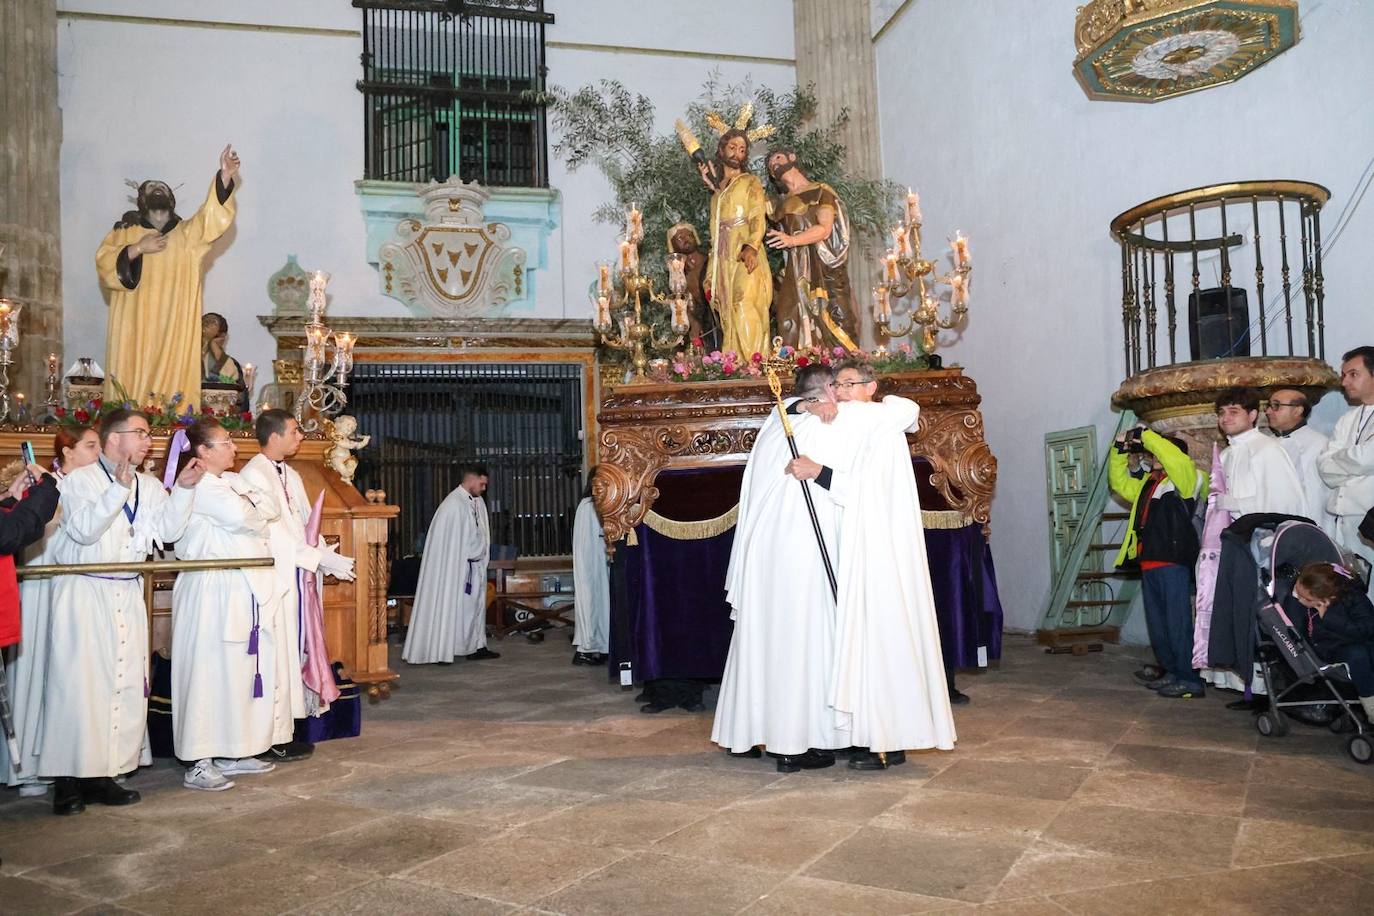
[[279, 438], [1287, 412], [776, 688], [889, 682], [96, 698], [591, 584], [1347, 463], [450, 614], [224, 679]]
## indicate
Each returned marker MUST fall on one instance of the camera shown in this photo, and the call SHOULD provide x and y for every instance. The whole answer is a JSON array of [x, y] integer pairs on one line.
[[1133, 443]]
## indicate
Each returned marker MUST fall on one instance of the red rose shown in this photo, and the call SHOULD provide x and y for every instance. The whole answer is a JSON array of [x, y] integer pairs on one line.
[[82, 416], [756, 358], [61, 411], [97, 403], [207, 411], [246, 416], [825, 360], [802, 361], [696, 341]]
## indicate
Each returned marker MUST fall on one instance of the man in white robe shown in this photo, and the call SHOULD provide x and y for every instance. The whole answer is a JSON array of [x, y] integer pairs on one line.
[[775, 692], [888, 684], [1347, 463], [449, 618], [1260, 476], [96, 698], [1287, 412], [279, 438], [224, 679], [591, 585]]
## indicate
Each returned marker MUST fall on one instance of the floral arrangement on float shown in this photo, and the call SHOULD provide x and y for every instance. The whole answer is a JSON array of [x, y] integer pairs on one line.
[[694, 364], [162, 412]]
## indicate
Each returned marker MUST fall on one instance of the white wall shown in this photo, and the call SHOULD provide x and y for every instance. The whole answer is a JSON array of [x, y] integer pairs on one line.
[[160, 99], [980, 111]]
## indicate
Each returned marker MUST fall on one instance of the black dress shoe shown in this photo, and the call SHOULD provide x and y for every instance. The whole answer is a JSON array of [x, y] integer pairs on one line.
[[753, 753], [655, 708], [811, 760], [588, 658], [1147, 673], [959, 698], [67, 796], [285, 753], [105, 791], [482, 654], [870, 760]]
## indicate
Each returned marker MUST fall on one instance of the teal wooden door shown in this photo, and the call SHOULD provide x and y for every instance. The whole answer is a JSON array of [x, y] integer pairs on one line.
[[1070, 465]]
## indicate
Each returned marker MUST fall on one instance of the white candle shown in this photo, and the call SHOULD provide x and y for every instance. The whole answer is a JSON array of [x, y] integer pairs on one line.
[[958, 286], [890, 266], [901, 242], [603, 281], [625, 248], [603, 312], [881, 306], [634, 222], [250, 371], [680, 315], [677, 273], [913, 207], [960, 245]]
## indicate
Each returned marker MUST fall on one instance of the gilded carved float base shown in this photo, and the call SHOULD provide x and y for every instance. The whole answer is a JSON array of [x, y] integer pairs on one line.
[[646, 429]]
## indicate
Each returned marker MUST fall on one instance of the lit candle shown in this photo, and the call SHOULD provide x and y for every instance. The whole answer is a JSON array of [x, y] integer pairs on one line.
[[901, 241], [265, 405], [9, 315], [913, 208], [960, 245], [634, 222], [626, 250], [603, 282], [677, 273], [250, 371], [603, 313], [680, 316], [890, 266], [958, 286], [314, 346]]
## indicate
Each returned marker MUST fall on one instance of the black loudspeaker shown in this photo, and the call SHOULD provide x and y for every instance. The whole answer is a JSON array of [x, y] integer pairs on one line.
[[1215, 331]]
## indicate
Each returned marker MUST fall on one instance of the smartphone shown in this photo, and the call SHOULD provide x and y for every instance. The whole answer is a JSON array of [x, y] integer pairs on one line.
[[26, 449]]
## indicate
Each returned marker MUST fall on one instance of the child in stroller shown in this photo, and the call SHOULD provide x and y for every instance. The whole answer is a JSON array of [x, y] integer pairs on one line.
[[1315, 626]]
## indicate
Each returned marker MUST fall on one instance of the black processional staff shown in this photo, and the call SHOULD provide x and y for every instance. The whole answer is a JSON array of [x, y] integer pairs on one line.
[[775, 385]]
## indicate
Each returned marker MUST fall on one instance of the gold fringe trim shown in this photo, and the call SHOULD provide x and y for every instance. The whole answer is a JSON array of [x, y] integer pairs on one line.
[[692, 531], [945, 518]]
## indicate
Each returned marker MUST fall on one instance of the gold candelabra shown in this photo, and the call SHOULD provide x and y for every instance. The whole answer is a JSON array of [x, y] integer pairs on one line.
[[324, 376], [906, 274], [623, 307]]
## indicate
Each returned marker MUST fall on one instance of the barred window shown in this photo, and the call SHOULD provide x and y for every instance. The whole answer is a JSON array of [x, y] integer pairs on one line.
[[447, 90]]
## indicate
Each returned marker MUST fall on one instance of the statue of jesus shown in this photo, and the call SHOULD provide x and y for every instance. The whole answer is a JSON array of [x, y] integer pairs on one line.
[[738, 278], [151, 264]]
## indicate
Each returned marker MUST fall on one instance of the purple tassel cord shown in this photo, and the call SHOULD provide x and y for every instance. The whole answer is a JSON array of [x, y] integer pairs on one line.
[[257, 686], [253, 641]]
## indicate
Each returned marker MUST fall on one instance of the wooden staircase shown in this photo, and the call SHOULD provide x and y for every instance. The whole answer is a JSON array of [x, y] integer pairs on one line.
[[1089, 598]]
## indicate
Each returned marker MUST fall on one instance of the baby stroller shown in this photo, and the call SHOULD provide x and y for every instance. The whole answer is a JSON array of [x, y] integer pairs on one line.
[[1290, 667]]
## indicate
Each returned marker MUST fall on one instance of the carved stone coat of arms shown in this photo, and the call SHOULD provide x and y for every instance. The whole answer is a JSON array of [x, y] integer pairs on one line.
[[453, 263]]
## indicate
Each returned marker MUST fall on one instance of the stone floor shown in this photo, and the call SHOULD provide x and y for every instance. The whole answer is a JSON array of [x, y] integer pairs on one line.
[[528, 785]]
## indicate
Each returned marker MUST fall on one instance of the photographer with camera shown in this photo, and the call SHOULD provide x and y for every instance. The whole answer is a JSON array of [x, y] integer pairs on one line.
[[1161, 539]]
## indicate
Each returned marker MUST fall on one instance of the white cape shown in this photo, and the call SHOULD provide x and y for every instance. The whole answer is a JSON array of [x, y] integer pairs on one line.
[[777, 683], [889, 679], [449, 617], [591, 582]]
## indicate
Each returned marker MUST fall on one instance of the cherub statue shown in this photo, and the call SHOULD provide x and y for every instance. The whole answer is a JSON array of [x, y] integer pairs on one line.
[[343, 433]]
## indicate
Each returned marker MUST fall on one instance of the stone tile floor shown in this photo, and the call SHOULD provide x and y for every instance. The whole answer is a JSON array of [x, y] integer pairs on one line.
[[528, 785]]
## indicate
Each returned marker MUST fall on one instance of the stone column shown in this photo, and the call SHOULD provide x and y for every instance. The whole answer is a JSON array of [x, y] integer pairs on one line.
[[30, 224], [834, 51]]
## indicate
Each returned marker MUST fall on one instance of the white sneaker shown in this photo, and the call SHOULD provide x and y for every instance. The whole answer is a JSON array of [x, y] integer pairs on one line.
[[243, 766], [32, 789], [205, 775]]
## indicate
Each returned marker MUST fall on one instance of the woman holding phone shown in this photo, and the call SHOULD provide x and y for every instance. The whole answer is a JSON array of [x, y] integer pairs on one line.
[[74, 448]]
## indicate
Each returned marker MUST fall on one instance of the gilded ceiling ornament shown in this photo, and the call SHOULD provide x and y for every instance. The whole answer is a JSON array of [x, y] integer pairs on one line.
[[1147, 50]]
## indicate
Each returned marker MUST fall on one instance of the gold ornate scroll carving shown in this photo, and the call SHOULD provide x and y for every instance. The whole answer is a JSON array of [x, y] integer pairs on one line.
[[649, 428]]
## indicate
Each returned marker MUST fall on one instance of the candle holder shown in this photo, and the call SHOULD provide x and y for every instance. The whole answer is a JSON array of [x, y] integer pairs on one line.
[[52, 388], [9, 343], [324, 375], [625, 308], [907, 275]]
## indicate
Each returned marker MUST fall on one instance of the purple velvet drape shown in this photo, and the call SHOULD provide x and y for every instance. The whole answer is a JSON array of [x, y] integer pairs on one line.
[[669, 618]]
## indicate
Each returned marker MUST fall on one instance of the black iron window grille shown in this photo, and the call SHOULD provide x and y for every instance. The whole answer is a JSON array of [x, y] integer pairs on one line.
[[523, 421], [451, 88]]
